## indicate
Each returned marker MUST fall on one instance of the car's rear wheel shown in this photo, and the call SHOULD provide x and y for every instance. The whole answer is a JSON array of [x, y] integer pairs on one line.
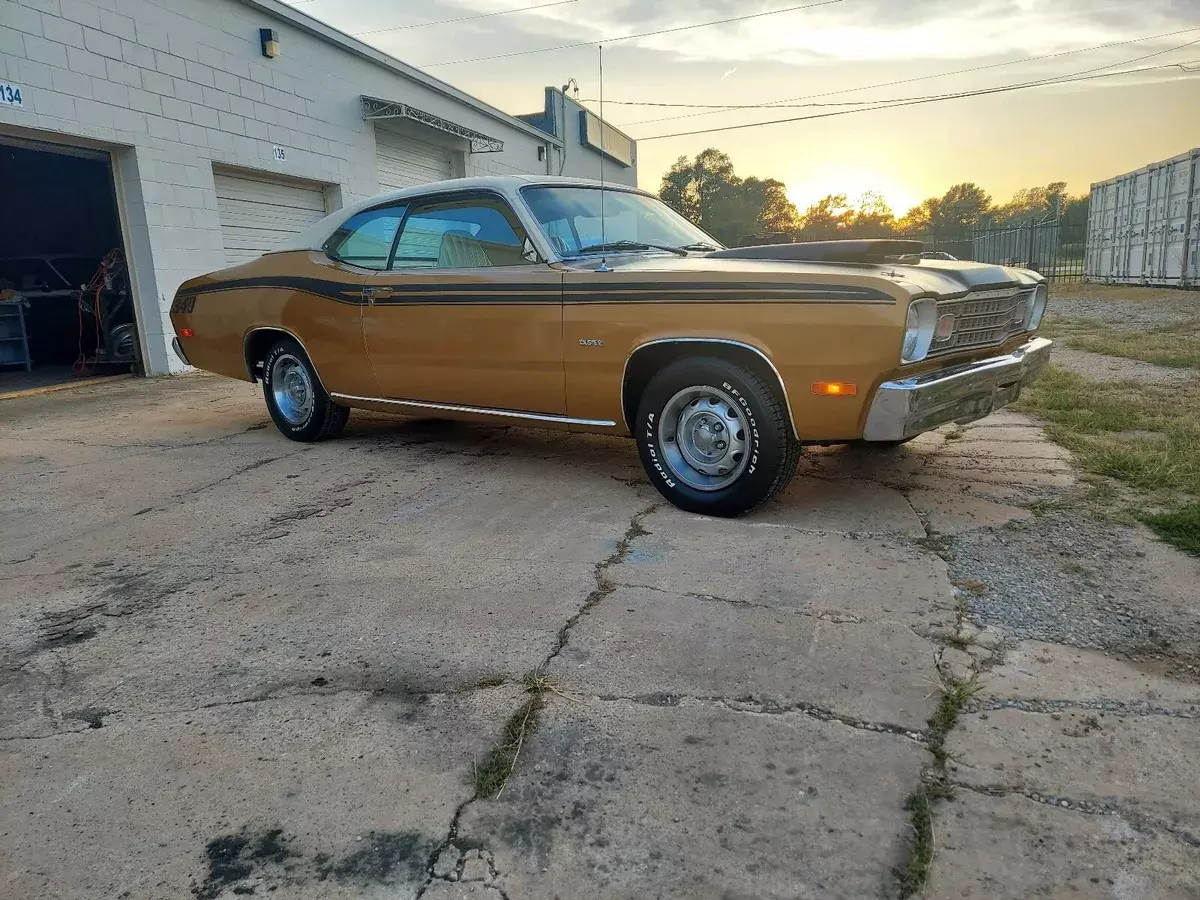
[[714, 437], [299, 405]]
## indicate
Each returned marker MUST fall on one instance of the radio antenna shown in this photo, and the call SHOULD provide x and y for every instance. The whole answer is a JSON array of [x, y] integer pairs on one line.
[[600, 129]]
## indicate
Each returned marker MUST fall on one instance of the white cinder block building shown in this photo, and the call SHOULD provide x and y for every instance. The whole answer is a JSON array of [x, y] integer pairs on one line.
[[165, 131]]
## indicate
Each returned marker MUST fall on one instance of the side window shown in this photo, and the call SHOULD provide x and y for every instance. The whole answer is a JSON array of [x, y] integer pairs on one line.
[[475, 233], [365, 239]]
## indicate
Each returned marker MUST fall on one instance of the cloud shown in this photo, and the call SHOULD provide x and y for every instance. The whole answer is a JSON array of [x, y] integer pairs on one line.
[[870, 31], [729, 73]]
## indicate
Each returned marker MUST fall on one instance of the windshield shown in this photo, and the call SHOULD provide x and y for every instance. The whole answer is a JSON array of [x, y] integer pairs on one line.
[[577, 219]]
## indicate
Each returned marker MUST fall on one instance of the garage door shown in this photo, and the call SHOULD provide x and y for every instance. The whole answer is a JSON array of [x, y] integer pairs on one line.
[[258, 214], [401, 161]]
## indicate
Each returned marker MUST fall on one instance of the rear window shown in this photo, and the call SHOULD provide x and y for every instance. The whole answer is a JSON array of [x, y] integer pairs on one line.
[[366, 238]]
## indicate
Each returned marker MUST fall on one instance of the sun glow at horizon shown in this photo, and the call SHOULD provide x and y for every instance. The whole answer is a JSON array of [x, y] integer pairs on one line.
[[852, 181]]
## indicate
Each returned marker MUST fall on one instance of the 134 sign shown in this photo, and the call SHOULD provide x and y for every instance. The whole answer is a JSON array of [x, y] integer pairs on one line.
[[11, 94]]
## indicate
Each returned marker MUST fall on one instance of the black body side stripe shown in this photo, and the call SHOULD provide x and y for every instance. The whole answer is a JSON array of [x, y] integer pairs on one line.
[[334, 290], [523, 294]]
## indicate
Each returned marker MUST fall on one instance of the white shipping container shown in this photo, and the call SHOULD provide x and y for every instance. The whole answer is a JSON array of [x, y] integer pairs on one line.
[[1144, 226]]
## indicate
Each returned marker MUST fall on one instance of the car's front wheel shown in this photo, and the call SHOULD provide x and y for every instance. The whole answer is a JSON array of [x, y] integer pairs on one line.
[[299, 405], [715, 437]]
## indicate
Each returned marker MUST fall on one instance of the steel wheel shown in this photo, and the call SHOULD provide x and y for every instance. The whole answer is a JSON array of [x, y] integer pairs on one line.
[[703, 436], [292, 389]]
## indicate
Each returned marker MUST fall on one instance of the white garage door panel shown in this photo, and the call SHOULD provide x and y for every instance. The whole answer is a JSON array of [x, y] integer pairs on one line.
[[258, 215], [401, 161], [266, 213]]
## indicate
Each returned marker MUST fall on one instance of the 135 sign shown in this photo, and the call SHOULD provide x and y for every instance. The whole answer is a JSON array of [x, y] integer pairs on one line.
[[11, 94]]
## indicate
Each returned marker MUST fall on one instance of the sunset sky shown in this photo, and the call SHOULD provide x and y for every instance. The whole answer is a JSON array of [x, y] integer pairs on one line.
[[1079, 133]]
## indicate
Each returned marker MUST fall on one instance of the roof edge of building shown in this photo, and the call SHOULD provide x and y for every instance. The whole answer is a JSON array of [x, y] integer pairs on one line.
[[326, 32]]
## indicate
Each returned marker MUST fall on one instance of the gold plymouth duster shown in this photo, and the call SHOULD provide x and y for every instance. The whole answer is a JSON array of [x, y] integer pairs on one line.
[[557, 303]]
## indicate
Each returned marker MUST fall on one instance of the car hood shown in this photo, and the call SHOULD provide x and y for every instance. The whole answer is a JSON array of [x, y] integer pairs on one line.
[[929, 276]]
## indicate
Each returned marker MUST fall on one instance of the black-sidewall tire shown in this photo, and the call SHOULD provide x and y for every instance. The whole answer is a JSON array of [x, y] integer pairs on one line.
[[325, 420], [773, 450]]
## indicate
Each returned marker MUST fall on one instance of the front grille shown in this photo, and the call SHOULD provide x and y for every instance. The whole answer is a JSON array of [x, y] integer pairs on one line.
[[983, 319]]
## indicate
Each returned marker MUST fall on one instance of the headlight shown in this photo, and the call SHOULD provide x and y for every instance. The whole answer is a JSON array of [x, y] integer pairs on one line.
[[1037, 306], [918, 331]]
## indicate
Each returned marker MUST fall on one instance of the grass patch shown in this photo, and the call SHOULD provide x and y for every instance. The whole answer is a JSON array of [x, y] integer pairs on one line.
[[1146, 435], [1180, 527], [1176, 345], [1142, 435]]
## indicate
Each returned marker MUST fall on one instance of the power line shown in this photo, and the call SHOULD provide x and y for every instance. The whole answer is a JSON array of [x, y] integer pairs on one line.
[[502, 12], [630, 37], [778, 105], [867, 87], [914, 101], [730, 106]]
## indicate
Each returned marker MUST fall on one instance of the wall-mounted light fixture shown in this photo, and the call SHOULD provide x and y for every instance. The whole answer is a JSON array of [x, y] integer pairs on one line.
[[270, 42]]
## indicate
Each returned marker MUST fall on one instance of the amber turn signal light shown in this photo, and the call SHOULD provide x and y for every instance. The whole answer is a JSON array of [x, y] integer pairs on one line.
[[834, 388], [187, 332]]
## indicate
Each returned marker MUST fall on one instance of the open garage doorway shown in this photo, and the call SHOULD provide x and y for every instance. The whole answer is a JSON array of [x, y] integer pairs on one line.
[[66, 307]]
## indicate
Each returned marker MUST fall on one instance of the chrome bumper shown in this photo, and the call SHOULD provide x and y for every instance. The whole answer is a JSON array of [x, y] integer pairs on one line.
[[178, 348], [904, 408]]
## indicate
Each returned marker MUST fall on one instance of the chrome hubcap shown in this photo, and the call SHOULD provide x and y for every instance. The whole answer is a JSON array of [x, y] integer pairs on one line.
[[702, 433], [292, 389]]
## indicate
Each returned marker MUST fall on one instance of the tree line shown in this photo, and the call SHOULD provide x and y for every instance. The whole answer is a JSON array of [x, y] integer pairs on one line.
[[707, 191]]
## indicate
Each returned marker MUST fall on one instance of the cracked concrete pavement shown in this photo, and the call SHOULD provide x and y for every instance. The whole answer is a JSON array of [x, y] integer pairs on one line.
[[232, 664]]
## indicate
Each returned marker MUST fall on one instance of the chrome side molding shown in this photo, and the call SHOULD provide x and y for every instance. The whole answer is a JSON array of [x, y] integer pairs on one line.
[[478, 410]]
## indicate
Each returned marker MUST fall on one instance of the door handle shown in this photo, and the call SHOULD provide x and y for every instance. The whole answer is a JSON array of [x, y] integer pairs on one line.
[[372, 293]]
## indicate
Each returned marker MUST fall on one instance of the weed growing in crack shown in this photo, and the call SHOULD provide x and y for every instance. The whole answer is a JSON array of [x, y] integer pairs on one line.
[[954, 696], [490, 776], [915, 873], [919, 806]]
